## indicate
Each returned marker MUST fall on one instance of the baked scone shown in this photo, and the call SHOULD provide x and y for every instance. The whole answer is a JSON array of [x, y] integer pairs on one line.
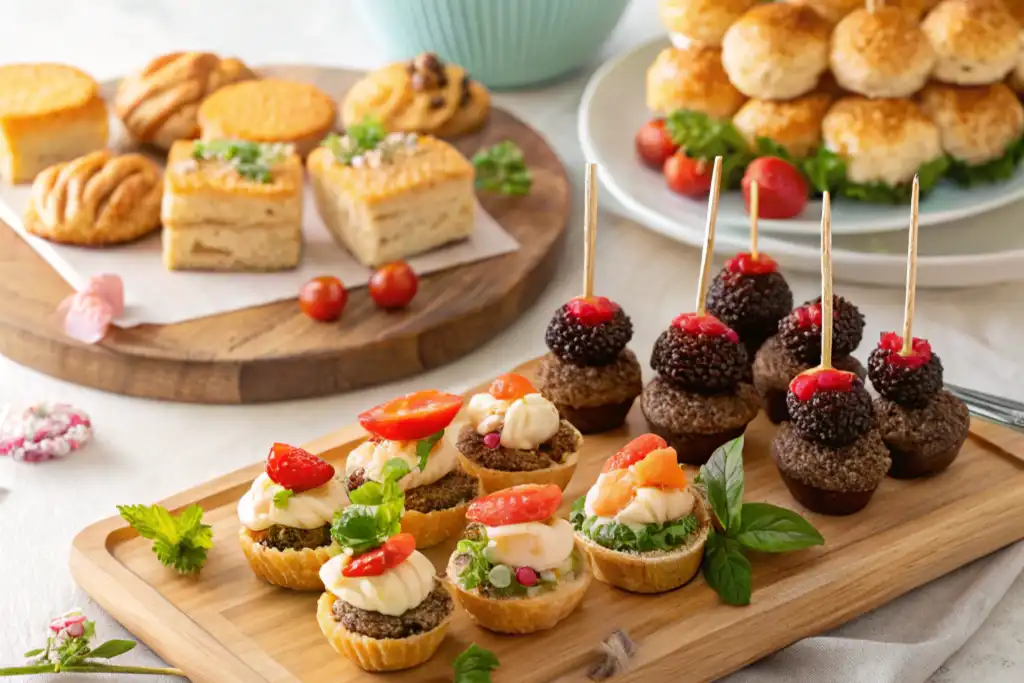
[[424, 95], [978, 124], [976, 41], [231, 205], [49, 113], [269, 110], [794, 124], [158, 105], [96, 200], [702, 21], [386, 197], [691, 78]]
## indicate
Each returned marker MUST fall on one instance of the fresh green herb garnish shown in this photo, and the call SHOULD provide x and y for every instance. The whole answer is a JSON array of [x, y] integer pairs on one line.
[[474, 665], [474, 574], [826, 170], [375, 513], [282, 497], [359, 138], [179, 542], [993, 171], [626, 538], [502, 169], [424, 446], [252, 160], [701, 137], [752, 526], [495, 579]]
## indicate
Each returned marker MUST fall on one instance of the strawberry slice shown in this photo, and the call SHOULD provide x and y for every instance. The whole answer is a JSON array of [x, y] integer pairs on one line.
[[634, 451], [296, 469], [392, 553], [510, 387], [517, 505], [413, 416]]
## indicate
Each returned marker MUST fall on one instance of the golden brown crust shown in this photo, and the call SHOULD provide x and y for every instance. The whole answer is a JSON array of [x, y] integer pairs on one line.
[[783, 26], [435, 527], [495, 480], [471, 117], [185, 175], [95, 200], [830, 10], [794, 124], [977, 123], [704, 21], [856, 121], [34, 92], [972, 32], [378, 654], [295, 569], [880, 45], [691, 78]]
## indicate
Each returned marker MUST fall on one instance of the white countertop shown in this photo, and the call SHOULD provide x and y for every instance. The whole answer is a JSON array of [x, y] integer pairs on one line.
[[140, 454]]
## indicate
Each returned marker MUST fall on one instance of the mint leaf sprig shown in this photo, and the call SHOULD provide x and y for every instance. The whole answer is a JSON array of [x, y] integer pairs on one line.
[[502, 169], [180, 542], [252, 160], [375, 512], [474, 665], [744, 526]]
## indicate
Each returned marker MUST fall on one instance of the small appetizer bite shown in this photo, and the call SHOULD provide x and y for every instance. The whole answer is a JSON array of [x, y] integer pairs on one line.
[[232, 205], [517, 569], [49, 113], [268, 110], [750, 296], [158, 105], [96, 200], [516, 436], [830, 10], [641, 525], [385, 197], [794, 125], [286, 518], [412, 429], [701, 21], [976, 41], [691, 78]]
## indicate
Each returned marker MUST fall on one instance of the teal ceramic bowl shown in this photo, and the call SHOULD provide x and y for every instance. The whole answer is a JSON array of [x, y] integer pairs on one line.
[[502, 43]]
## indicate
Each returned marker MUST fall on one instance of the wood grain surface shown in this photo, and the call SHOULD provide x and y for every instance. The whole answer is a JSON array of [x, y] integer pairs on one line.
[[274, 352], [225, 626]]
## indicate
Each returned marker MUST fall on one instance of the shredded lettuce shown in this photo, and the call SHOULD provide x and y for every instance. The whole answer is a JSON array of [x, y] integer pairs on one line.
[[994, 171], [638, 539]]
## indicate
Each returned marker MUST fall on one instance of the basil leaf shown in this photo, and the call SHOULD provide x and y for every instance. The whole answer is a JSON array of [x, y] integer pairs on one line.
[[424, 447], [727, 571], [370, 493], [723, 476], [356, 527], [111, 648], [772, 529]]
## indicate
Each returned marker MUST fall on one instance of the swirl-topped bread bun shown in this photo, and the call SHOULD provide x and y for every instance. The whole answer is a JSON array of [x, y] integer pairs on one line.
[[977, 41], [794, 124], [424, 95], [702, 21], [691, 78], [96, 200], [881, 54], [158, 105], [977, 124]]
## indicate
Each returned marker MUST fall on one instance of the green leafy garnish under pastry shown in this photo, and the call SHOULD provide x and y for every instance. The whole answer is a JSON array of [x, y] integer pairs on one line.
[[627, 538]]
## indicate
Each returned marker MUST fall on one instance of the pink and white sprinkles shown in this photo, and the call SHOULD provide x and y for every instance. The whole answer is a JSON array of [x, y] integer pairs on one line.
[[43, 432], [86, 315]]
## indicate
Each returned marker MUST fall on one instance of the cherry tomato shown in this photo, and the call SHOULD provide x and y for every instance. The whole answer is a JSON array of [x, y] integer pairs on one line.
[[634, 451], [516, 505], [511, 386], [323, 298], [782, 190], [393, 285], [689, 177], [413, 416], [653, 143], [392, 553]]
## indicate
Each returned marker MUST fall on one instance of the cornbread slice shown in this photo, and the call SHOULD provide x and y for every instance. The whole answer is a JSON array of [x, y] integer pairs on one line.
[[216, 219], [49, 113], [381, 211]]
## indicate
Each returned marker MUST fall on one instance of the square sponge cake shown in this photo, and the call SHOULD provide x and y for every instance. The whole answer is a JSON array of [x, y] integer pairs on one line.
[[408, 195], [232, 205]]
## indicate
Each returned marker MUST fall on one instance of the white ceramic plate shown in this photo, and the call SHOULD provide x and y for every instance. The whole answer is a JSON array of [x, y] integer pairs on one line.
[[613, 110]]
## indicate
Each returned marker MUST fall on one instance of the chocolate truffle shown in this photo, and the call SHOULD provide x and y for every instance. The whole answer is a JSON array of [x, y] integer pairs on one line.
[[800, 331], [834, 417], [750, 296], [589, 332], [910, 380], [704, 363]]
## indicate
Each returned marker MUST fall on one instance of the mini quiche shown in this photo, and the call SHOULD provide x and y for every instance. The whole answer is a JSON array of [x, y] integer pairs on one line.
[[516, 436], [286, 518], [437, 490], [388, 196], [642, 526], [517, 570]]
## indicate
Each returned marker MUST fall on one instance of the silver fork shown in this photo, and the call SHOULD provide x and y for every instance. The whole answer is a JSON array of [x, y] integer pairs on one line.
[[996, 409]]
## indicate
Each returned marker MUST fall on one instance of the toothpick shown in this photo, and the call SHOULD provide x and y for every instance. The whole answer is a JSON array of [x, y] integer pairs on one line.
[[826, 282], [709, 235], [908, 311], [873, 5], [755, 207], [589, 230]]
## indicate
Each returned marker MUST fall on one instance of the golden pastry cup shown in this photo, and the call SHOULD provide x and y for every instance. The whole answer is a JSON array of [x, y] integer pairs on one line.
[[495, 480], [295, 569], [378, 654], [436, 526]]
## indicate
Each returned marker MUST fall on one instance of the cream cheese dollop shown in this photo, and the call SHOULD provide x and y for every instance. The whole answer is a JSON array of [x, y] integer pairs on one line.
[[306, 510], [538, 545], [650, 504], [525, 423], [371, 456], [393, 593]]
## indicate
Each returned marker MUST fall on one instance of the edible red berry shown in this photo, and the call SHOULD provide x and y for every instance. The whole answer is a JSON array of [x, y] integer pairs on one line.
[[708, 325], [593, 310], [526, 576], [805, 385], [492, 440], [919, 355], [746, 264], [393, 285], [323, 298], [297, 469]]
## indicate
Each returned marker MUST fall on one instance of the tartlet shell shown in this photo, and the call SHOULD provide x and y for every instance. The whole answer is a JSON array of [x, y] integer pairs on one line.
[[295, 569], [495, 480]]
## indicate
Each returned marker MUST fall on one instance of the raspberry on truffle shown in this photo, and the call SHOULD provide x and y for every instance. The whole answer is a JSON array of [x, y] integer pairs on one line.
[[800, 331], [750, 303], [910, 380], [589, 335], [830, 407], [700, 354]]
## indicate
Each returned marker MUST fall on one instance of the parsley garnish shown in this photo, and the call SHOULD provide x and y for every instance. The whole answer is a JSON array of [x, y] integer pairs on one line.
[[502, 168], [625, 538], [375, 513], [701, 137], [179, 542], [282, 497], [424, 446], [474, 665], [252, 160], [358, 139]]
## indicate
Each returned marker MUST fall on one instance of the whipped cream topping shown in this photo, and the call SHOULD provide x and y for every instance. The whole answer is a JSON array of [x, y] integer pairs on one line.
[[371, 456], [393, 593], [307, 510], [525, 423], [650, 504], [538, 545]]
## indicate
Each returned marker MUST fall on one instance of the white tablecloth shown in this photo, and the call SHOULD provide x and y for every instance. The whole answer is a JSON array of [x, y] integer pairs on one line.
[[139, 454]]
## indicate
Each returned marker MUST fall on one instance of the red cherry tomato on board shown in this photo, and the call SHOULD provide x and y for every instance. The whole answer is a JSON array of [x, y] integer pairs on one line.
[[323, 298], [689, 177], [393, 285], [413, 416], [782, 190], [392, 553], [653, 143], [516, 505]]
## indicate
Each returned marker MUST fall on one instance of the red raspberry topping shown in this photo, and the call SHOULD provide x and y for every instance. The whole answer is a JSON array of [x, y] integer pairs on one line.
[[805, 385], [920, 351], [808, 316], [707, 324], [592, 311], [746, 264], [296, 469]]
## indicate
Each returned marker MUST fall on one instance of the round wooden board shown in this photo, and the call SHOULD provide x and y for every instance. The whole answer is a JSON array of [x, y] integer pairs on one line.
[[274, 352]]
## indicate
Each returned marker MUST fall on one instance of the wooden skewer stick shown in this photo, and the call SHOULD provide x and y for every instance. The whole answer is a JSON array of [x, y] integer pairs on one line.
[[873, 5], [589, 230], [709, 236], [755, 208], [826, 282], [908, 311]]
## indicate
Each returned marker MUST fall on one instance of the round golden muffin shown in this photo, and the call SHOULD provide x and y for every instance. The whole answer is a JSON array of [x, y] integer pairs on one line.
[[691, 78], [269, 110], [702, 21], [295, 569], [159, 104], [96, 200]]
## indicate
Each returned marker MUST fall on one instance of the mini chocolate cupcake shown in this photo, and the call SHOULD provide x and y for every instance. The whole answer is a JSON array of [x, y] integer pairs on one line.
[[701, 397], [751, 297], [923, 425], [590, 375], [831, 456], [797, 348]]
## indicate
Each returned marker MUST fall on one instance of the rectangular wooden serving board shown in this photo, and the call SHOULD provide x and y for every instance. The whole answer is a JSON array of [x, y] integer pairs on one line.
[[225, 626]]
